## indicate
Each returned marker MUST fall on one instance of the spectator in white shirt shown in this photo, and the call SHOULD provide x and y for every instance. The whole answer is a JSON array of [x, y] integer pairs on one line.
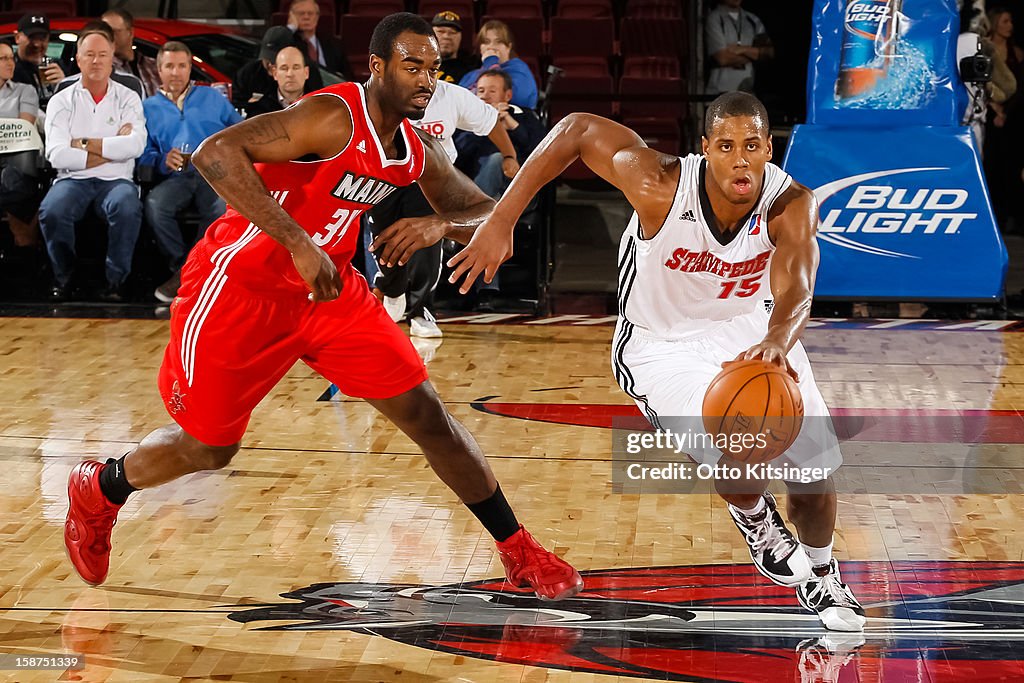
[[451, 108], [95, 129]]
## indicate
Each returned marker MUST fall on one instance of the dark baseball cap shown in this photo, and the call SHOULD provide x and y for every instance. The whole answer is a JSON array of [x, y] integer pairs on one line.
[[448, 18], [275, 39], [34, 24]]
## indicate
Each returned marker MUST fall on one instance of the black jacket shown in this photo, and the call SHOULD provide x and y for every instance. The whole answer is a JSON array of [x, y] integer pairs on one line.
[[253, 78], [454, 68], [267, 103]]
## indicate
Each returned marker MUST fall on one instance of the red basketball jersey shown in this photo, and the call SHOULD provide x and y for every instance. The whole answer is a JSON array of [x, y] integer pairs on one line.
[[326, 197]]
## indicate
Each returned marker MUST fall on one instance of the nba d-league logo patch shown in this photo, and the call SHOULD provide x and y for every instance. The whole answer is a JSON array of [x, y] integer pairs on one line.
[[755, 225]]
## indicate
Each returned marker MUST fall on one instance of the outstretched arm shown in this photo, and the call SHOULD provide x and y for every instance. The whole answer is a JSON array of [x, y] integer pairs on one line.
[[460, 205], [612, 151], [793, 224], [319, 125]]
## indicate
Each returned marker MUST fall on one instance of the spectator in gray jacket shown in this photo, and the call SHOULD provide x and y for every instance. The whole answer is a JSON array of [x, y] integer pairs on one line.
[[19, 184]]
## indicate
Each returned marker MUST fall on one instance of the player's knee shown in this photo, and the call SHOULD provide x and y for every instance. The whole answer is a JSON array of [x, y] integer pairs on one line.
[[213, 457], [428, 417]]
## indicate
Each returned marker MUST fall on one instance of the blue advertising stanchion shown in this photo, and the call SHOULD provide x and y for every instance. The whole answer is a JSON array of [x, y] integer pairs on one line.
[[904, 207]]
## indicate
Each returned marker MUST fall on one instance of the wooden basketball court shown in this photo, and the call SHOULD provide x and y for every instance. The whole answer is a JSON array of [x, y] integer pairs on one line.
[[330, 504]]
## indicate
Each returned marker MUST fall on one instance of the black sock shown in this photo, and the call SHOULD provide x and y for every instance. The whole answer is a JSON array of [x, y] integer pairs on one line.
[[114, 484], [496, 516]]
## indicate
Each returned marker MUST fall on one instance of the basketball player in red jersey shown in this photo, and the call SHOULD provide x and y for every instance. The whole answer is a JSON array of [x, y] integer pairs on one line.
[[270, 284], [717, 264]]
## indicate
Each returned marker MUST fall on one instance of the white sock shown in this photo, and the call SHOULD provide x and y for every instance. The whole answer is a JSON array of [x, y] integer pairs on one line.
[[754, 510], [819, 556]]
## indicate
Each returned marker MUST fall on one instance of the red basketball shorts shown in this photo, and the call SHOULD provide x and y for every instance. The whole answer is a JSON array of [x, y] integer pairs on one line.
[[229, 347]]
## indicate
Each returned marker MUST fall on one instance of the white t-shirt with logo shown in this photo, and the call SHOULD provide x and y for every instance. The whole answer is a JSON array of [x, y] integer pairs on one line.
[[455, 108]]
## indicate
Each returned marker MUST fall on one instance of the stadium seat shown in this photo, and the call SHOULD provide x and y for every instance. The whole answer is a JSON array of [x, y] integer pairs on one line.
[[651, 67], [584, 9], [659, 133], [667, 97], [575, 38], [653, 38], [527, 34], [375, 8], [654, 9], [592, 95], [582, 67], [515, 8], [355, 40]]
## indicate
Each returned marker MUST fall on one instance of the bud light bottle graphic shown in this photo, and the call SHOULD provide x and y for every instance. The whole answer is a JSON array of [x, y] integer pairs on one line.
[[870, 30]]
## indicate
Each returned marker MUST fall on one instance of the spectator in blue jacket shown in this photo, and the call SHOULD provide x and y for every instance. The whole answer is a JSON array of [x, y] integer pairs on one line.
[[497, 51], [178, 118]]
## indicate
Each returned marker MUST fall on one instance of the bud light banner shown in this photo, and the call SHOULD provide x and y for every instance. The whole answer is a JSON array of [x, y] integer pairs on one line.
[[904, 213], [888, 62]]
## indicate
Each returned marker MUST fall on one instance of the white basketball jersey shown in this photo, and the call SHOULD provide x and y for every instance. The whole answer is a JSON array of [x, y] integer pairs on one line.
[[689, 278]]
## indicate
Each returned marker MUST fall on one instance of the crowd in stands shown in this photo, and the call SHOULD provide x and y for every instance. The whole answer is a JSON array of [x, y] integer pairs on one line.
[[114, 139], [115, 128]]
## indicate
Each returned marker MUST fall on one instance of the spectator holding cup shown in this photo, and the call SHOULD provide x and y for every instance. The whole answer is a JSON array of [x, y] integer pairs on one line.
[[178, 118], [33, 66]]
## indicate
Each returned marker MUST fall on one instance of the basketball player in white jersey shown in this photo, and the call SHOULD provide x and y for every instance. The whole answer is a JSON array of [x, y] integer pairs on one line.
[[717, 264]]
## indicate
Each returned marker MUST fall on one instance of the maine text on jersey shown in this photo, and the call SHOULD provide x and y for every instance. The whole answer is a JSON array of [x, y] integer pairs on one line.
[[362, 189]]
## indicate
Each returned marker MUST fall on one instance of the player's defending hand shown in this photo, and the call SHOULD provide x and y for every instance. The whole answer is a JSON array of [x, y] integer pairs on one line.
[[400, 240], [318, 271], [489, 247], [769, 352]]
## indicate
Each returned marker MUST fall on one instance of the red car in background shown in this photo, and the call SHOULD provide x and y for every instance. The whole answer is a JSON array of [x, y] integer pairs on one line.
[[217, 52]]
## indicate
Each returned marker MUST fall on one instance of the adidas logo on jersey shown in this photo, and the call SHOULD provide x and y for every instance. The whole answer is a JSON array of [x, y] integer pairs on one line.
[[768, 305], [362, 146], [688, 216]]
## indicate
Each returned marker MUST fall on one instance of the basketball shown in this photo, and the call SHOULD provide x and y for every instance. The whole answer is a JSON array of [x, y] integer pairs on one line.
[[753, 410]]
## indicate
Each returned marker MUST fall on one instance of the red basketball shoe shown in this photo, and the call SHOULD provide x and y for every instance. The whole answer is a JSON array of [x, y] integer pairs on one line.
[[527, 563], [90, 519]]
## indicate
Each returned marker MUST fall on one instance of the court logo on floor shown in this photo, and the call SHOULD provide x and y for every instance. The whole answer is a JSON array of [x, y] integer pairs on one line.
[[952, 620]]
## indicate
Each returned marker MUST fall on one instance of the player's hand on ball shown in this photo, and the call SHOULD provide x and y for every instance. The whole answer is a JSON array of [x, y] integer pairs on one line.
[[318, 271], [769, 352], [396, 244], [487, 250]]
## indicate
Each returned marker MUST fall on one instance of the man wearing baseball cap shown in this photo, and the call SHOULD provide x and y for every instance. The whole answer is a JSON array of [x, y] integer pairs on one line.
[[448, 31], [256, 78], [32, 39]]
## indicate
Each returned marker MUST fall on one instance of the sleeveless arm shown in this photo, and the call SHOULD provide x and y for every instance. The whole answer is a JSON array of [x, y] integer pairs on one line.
[[319, 125], [454, 197], [793, 224], [612, 151], [460, 205]]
